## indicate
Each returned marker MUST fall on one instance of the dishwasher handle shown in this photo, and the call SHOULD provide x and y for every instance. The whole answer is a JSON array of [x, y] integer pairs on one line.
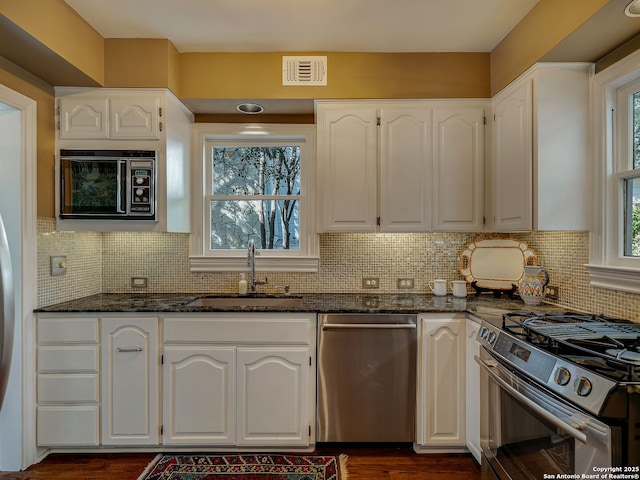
[[369, 326]]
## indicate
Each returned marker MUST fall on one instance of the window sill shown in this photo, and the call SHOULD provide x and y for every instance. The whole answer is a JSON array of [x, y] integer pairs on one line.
[[264, 264], [614, 278]]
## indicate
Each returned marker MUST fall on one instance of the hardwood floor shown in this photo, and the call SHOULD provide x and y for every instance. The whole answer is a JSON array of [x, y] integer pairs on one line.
[[365, 463]]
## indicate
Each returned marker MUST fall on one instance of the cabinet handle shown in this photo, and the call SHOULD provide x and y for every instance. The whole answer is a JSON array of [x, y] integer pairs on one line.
[[131, 349]]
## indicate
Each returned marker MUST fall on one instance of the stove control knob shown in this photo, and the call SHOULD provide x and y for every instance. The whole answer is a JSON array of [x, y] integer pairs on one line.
[[582, 386], [492, 338], [562, 376], [484, 331]]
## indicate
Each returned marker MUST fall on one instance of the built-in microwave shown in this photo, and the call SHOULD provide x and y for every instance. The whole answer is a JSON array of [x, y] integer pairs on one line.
[[108, 184]]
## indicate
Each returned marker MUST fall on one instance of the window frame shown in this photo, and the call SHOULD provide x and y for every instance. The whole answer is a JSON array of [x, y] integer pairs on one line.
[[608, 267], [202, 257]]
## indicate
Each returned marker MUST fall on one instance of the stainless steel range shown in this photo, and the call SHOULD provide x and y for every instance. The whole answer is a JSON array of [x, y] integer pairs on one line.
[[560, 394]]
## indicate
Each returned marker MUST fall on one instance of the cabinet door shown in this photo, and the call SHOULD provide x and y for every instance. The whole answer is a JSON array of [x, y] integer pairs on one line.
[[83, 118], [405, 169], [199, 395], [347, 168], [130, 381], [135, 118], [458, 169], [442, 392], [273, 396], [513, 159], [472, 386]]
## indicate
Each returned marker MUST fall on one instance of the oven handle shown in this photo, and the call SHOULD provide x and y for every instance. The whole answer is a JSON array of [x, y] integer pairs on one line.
[[573, 430]]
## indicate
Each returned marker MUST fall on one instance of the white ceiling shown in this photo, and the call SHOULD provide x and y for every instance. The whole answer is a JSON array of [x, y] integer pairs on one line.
[[308, 25]]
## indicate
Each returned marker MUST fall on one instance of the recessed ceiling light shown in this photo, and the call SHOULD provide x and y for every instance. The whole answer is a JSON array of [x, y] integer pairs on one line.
[[250, 108], [633, 9]]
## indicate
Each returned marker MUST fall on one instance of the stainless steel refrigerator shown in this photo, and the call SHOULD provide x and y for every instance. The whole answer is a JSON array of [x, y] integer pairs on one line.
[[7, 311]]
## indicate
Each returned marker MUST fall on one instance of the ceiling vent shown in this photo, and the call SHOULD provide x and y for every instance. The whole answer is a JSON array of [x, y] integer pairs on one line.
[[304, 70]]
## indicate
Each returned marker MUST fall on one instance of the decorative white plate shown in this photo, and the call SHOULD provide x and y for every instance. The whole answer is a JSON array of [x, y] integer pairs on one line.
[[496, 264]]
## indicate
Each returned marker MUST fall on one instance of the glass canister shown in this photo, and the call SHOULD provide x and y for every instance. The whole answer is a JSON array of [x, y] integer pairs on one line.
[[531, 286]]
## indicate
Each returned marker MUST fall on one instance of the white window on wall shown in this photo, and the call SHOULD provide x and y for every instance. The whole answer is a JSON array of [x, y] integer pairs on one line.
[[627, 167], [615, 240], [254, 182]]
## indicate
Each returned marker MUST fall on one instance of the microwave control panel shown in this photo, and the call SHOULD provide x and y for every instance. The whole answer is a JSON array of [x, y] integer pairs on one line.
[[142, 195]]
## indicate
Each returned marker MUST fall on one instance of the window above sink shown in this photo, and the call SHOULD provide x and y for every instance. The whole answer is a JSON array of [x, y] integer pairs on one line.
[[254, 182]]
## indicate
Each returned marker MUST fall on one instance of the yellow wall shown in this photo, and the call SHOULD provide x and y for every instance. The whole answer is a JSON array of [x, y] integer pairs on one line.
[[57, 26], [546, 25], [23, 82], [349, 75], [52, 30], [151, 63]]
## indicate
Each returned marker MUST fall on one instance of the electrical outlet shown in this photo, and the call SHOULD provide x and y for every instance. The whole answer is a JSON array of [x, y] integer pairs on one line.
[[404, 283], [370, 282], [552, 292], [138, 282]]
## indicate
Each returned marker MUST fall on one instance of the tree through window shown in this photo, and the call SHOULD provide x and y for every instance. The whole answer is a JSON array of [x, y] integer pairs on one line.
[[632, 187], [256, 192]]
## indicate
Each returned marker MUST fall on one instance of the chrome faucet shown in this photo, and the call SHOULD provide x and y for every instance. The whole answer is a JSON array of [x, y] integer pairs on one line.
[[251, 263]]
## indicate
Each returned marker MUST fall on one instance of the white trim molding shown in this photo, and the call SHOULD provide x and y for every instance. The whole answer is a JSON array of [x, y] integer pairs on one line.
[[202, 259], [614, 278], [607, 267], [25, 331], [271, 264]]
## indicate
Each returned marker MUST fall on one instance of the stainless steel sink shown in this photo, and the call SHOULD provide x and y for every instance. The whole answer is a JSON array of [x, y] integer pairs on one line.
[[240, 302]]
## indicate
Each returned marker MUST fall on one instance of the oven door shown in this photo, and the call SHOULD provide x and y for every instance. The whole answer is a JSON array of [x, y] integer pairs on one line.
[[526, 432]]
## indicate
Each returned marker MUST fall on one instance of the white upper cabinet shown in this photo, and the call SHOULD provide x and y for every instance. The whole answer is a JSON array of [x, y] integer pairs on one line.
[[540, 150], [458, 168], [130, 119], [394, 166], [347, 167], [405, 169], [135, 118], [83, 118], [110, 117]]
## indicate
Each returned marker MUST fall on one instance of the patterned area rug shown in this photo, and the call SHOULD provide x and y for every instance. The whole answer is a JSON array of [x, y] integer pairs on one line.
[[246, 467]]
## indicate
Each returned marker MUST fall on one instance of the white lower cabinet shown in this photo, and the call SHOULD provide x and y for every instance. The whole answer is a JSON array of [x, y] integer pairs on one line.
[[228, 380], [68, 362], [130, 381], [441, 382], [472, 385], [273, 403], [199, 396], [239, 380]]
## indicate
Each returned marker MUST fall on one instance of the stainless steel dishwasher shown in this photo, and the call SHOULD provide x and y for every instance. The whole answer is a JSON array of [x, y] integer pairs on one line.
[[366, 378]]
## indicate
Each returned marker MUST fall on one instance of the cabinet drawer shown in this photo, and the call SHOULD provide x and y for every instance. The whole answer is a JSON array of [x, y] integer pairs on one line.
[[68, 330], [68, 426], [68, 388], [68, 359], [240, 329]]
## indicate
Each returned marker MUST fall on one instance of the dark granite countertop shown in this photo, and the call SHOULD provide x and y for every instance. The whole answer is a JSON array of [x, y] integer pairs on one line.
[[483, 305]]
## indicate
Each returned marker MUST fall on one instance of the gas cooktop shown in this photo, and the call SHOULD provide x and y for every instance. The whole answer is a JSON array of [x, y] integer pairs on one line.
[[611, 347], [586, 359]]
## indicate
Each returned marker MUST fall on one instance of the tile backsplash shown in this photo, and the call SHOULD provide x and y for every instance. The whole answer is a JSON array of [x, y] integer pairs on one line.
[[106, 262]]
